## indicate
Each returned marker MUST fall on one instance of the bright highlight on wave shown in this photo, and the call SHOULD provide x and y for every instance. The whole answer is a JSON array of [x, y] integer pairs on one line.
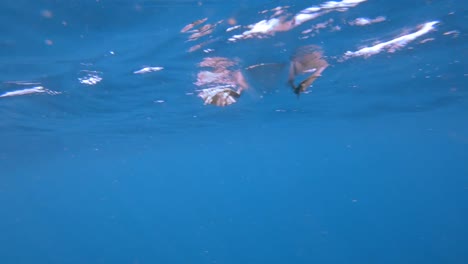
[[148, 69], [364, 21], [392, 45], [277, 24], [33, 90], [90, 77]]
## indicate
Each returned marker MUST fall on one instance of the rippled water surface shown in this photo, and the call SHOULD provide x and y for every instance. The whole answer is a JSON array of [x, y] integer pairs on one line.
[[168, 132]]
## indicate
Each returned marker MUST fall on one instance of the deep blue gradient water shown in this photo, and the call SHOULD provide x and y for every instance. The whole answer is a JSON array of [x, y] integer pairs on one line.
[[370, 167]]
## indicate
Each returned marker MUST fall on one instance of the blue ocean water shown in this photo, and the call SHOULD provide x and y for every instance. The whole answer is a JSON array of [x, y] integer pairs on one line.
[[102, 164]]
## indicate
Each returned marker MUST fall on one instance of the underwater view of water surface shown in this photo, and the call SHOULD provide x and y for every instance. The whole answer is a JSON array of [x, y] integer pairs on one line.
[[261, 131]]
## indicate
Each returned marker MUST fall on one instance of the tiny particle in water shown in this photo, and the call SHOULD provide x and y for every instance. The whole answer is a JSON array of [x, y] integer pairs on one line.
[[48, 42], [47, 13], [232, 21], [159, 101]]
